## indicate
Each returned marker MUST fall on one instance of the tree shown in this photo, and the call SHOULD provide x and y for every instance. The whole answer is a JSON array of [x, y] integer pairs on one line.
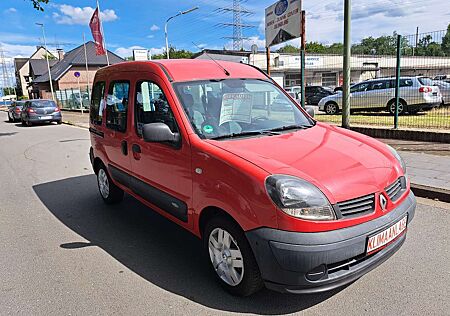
[[288, 49], [37, 4], [428, 47], [50, 56], [446, 42], [174, 54]]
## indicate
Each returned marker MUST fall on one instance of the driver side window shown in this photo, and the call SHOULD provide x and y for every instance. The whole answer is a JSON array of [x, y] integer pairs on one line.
[[152, 107]]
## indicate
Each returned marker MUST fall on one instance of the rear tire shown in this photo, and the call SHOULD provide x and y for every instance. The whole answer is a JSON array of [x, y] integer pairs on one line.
[[110, 193], [59, 122], [29, 124], [231, 257]]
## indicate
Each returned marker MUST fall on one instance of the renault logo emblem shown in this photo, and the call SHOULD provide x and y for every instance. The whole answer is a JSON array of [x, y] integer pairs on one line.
[[383, 202]]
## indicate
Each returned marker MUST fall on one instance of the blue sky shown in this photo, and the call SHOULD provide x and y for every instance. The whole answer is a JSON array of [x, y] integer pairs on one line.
[[140, 23]]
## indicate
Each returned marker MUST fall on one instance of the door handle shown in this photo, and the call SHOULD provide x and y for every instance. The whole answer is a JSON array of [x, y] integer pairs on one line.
[[136, 148], [124, 147]]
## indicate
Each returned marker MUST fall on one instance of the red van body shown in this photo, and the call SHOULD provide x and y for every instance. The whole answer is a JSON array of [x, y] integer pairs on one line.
[[195, 180]]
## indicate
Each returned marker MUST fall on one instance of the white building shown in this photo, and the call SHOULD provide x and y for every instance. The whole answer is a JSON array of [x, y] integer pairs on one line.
[[327, 70]]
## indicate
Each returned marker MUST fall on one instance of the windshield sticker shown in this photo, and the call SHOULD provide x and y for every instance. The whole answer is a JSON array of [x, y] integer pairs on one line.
[[208, 129], [236, 107]]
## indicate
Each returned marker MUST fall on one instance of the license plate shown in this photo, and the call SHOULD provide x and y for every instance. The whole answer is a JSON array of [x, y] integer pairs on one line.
[[383, 238], [45, 117]]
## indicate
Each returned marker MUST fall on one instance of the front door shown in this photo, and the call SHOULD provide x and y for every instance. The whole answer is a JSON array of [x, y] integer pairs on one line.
[[161, 172], [116, 135]]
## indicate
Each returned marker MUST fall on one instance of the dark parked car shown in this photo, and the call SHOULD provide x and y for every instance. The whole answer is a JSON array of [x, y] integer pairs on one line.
[[314, 94], [40, 111], [15, 110]]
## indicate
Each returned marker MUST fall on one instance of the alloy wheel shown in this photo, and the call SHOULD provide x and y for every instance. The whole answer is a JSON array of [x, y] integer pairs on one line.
[[331, 108], [400, 108], [226, 256], [103, 183]]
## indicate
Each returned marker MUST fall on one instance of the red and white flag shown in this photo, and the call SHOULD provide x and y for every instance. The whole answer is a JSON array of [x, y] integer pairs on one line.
[[96, 29]]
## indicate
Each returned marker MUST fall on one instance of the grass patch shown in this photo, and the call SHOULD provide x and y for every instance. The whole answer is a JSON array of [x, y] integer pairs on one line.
[[435, 119]]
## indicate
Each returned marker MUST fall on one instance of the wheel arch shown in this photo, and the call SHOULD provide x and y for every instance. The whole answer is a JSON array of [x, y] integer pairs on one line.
[[96, 164], [393, 100], [210, 212]]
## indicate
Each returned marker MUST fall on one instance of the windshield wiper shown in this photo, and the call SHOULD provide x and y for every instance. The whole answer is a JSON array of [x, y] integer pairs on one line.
[[243, 134], [288, 127]]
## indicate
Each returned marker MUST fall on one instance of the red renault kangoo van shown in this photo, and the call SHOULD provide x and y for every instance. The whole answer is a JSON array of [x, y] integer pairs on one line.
[[278, 199]]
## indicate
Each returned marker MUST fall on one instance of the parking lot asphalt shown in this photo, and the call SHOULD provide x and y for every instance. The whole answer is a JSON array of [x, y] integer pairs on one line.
[[62, 251]]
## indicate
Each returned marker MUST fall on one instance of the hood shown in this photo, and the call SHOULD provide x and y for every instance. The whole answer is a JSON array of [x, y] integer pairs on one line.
[[343, 164]]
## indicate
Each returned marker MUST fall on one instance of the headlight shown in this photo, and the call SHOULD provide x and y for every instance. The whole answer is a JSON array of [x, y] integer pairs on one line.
[[299, 198], [397, 156]]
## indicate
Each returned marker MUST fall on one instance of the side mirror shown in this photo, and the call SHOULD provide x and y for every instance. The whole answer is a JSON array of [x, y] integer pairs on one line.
[[159, 133], [310, 110]]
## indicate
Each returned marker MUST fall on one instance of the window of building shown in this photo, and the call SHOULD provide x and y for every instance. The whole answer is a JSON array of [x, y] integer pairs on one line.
[[329, 79], [117, 106], [152, 107], [96, 111]]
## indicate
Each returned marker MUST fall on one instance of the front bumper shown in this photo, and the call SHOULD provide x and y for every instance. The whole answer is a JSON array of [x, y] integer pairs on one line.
[[315, 262]]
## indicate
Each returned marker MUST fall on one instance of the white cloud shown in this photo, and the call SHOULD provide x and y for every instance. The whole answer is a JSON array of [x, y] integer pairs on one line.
[[150, 36], [77, 15], [248, 42], [15, 50], [157, 51], [154, 27], [11, 10], [127, 51]]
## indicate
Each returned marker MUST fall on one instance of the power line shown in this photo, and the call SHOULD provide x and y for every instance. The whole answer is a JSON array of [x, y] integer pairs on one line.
[[238, 12]]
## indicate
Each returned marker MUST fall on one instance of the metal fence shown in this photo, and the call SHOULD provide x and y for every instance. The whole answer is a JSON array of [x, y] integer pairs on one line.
[[424, 83], [73, 99]]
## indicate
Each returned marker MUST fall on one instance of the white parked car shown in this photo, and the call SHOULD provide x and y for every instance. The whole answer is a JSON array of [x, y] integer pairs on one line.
[[444, 87], [416, 94]]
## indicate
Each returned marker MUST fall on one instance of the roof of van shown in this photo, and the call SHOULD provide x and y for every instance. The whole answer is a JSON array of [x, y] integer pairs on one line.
[[193, 69]]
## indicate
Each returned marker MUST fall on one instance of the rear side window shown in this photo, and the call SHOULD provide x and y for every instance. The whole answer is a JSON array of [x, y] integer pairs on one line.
[[152, 107], [117, 105], [96, 110], [406, 83], [425, 81]]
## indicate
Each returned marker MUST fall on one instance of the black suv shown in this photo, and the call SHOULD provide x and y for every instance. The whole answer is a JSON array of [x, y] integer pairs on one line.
[[314, 94]]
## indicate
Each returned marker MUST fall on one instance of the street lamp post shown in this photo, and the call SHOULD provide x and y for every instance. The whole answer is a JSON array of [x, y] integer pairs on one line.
[[48, 63], [167, 21]]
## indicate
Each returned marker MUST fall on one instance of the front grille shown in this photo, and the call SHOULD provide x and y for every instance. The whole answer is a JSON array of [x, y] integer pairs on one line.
[[395, 190], [357, 207]]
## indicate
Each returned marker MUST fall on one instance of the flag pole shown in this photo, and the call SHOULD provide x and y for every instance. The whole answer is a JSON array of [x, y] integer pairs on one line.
[[103, 32], [87, 69]]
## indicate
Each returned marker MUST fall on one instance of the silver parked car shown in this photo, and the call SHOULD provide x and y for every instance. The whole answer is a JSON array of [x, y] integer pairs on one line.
[[15, 110], [416, 94], [444, 87], [40, 111]]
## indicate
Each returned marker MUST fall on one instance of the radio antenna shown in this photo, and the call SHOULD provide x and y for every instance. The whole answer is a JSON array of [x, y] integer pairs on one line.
[[219, 65]]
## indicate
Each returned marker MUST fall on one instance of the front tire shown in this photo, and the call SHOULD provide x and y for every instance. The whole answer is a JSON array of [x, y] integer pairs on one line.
[[10, 119], [110, 193], [231, 257], [331, 108], [401, 107]]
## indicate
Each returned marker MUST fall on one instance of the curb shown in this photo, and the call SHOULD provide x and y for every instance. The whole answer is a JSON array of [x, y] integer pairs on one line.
[[74, 124], [424, 191]]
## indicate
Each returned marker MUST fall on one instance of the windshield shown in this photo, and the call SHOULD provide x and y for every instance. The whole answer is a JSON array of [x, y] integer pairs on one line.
[[43, 104], [232, 107]]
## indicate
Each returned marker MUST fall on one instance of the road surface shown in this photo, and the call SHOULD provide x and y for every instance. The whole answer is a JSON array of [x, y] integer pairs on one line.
[[64, 252]]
